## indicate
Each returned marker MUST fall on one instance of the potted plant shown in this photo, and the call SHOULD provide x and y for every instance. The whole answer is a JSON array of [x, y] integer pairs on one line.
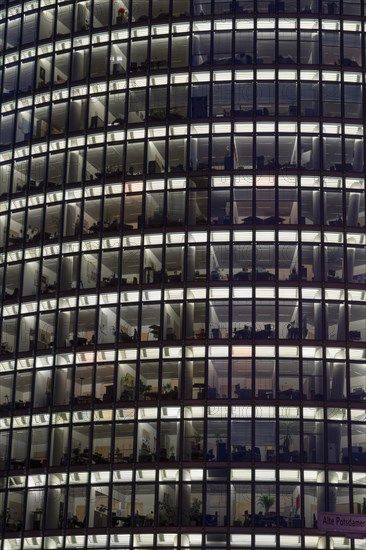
[[122, 15], [167, 514], [267, 501], [127, 388], [169, 391], [195, 512], [144, 388]]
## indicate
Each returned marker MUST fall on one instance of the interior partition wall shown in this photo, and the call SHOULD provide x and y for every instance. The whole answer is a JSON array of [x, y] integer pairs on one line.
[[182, 273]]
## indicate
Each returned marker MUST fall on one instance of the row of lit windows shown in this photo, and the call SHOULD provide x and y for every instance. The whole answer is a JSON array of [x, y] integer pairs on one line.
[[197, 440], [236, 419], [170, 380], [151, 265], [241, 414], [346, 52], [22, 30], [348, 153], [181, 8], [200, 129], [187, 475], [192, 238], [219, 77], [109, 271], [210, 505], [267, 153], [76, 116], [250, 49], [104, 383], [72, 18], [261, 207], [224, 102], [307, 129], [187, 541], [196, 352], [36, 175], [249, 100], [201, 56], [93, 246], [75, 18], [75, 66], [100, 14], [219, 204], [195, 432], [70, 215], [28, 169], [285, 296], [200, 154], [263, 319]]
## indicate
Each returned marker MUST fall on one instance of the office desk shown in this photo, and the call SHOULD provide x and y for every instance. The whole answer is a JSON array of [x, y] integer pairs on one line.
[[264, 334], [265, 394], [270, 520], [37, 462], [151, 395], [138, 521], [243, 276], [334, 279], [358, 394], [13, 525], [146, 457], [244, 393], [110, 281], [175, 278], [293, 333], [336, 223], [242, 454], [291, 394], [17, 464], [124, 337], [265, 276], [74, 523], [80, 341], [242, 334], [354, 335], [126, 522]]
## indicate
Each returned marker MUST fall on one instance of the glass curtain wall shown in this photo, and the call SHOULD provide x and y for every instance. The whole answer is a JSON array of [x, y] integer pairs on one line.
[[182, 273]]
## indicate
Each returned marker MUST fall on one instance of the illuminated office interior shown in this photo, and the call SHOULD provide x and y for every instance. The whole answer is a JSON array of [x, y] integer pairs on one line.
[[182, 273]]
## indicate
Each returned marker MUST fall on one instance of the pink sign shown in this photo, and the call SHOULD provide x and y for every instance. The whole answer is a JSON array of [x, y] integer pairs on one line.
[[346, 523]]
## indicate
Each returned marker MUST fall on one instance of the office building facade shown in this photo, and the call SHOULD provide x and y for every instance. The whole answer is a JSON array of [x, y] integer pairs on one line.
[[182, 269]]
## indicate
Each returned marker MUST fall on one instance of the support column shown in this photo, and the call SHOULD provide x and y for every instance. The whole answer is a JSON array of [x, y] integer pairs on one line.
[[341, 329], [317, 266], [351, 254], [318, 321], [338, 380], [353, 209], [316, 207]]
